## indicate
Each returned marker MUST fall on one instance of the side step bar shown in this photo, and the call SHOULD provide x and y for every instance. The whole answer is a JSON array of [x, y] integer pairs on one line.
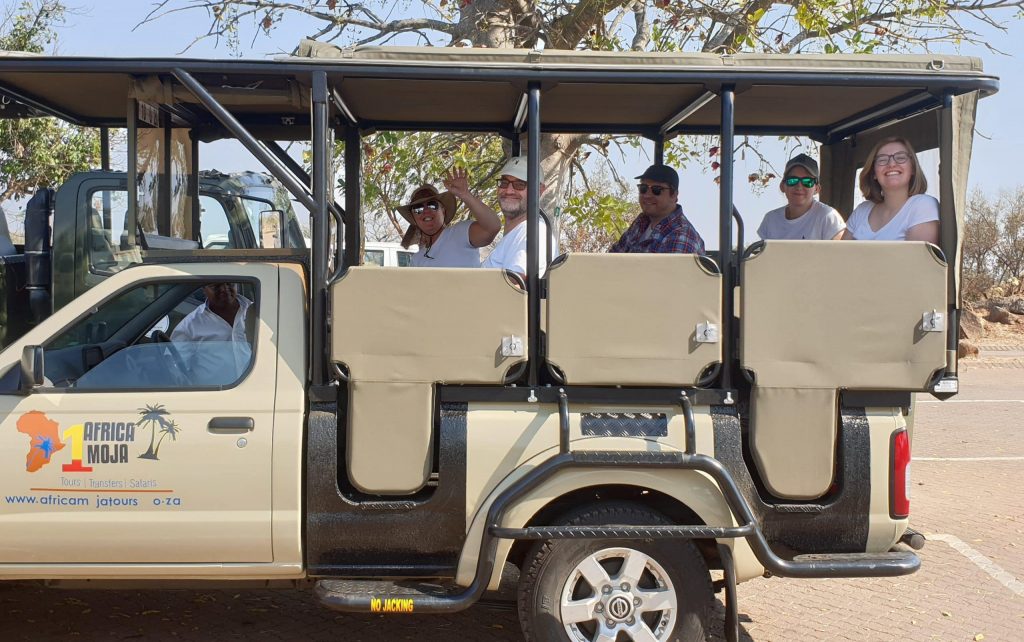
[[344, 596], [624, 532]]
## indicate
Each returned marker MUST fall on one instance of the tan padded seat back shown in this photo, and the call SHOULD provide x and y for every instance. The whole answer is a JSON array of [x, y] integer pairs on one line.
[[425, 324], [400, 331], [842, 314], [631, 319], [820, 316], [390, 444]]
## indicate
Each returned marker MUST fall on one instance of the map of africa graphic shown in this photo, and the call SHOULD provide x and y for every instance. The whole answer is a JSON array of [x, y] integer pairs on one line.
[[44, 439]]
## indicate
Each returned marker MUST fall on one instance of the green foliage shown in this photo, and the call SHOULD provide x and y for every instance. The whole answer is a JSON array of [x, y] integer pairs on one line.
[[593, 219], [396, 163], [39, 151], [32, 26]]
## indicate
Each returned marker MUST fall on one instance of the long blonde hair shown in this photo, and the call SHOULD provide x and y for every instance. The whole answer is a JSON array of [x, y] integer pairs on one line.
[[869, 186]]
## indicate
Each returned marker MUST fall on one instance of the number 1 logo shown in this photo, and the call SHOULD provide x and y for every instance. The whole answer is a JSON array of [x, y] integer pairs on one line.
[[76, 435]]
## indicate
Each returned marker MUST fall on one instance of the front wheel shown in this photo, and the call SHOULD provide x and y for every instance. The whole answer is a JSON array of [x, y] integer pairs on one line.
[[600, 591]]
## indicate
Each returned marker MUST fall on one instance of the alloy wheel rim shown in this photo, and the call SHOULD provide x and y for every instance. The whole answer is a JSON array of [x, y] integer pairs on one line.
[[618, 590]]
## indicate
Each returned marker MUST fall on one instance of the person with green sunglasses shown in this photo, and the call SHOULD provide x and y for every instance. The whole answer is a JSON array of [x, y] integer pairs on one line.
[[803, 217]]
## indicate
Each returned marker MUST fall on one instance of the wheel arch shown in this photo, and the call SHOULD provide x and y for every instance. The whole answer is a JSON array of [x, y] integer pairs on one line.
[[673, 508], [674, 493]]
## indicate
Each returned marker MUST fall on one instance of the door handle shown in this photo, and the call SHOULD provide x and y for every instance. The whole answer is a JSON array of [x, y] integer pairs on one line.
[[230, 425]]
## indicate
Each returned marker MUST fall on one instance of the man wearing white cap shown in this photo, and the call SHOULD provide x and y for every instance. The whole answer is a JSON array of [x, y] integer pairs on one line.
[[510, 252]]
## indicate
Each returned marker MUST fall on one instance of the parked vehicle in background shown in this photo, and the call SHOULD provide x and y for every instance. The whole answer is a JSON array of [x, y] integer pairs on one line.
[[387, 254], [86, 218]]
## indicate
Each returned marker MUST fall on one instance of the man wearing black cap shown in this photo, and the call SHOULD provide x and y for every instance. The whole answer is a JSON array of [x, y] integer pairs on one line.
[[803, 217], [661, 227]]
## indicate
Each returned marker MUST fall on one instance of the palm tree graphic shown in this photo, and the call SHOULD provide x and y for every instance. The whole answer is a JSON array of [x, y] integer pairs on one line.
[[169, 430], [153, 416]]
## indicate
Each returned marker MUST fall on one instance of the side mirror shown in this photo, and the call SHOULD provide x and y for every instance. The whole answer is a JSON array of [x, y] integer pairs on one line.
[[271, 227], [31, 368]]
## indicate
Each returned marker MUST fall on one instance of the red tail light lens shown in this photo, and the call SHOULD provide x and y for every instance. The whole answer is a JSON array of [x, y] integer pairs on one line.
[[899, 492]]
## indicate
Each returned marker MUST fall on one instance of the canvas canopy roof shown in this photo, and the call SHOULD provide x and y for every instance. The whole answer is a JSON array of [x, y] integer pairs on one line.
[[846, 102], [482, 89]]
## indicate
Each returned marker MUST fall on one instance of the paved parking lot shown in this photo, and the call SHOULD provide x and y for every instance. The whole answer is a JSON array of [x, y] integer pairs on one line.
[[968, 477]]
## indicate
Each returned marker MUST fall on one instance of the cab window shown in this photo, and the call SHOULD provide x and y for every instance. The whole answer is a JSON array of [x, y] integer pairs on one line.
[[106, 239], [164, 335]]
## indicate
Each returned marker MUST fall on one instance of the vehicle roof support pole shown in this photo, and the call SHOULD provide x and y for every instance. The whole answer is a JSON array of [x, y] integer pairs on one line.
[[353, 196], [517, 144], [321, 226], [105, 149], [659, 150], [297, 189], [105, 166], [533, 230], [193, 190], [164, 214], [726, 146], [132, 223], [948, 230]]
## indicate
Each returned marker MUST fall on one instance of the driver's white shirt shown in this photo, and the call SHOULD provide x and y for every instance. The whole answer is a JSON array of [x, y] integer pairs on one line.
[[202, 324]]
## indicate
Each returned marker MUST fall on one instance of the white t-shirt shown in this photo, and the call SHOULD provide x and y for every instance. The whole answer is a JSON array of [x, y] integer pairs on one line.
[[920, 208], [820, 223], [209, 366], [510, 252], [451, 249]]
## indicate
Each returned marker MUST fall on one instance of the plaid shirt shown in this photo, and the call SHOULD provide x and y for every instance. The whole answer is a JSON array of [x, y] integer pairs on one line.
[[673, 234]]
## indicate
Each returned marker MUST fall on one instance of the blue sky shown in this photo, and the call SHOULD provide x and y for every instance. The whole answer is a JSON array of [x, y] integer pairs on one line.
[[106, 29]]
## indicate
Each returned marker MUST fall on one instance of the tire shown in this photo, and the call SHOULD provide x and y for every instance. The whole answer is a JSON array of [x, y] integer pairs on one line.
[[671, 600]]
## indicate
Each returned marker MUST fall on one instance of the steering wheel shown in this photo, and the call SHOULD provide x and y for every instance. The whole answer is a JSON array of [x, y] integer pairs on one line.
[[159, 336]]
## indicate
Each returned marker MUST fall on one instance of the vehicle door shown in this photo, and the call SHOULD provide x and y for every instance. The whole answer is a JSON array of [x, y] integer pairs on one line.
[[129, 452]]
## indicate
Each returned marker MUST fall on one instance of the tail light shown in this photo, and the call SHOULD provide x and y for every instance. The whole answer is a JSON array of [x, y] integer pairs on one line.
[[899, 490]]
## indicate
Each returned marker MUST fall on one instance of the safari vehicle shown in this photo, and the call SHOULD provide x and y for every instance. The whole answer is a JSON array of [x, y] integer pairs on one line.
[[86, 219], [618, 429]]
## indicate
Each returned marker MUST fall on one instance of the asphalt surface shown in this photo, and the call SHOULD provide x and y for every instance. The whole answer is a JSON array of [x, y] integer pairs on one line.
[[968, 474]]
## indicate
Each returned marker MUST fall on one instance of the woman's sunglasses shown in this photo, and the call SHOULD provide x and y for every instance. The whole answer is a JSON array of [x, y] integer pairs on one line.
[[655, 189], [431, 205], [806, 181]]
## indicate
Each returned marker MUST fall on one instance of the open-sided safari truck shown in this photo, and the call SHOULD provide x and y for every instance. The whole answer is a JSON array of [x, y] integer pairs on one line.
[[616, 429]]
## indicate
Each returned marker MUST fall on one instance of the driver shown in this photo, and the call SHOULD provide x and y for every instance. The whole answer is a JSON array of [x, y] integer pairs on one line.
[[220, 324]]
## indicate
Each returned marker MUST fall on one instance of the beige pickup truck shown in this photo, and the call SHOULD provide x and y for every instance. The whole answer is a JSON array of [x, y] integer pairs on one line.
[[629, 433]]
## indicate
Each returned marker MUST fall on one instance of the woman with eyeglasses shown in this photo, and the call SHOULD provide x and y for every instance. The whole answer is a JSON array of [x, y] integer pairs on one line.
[[897, 208], [440, 244], [803, 217]]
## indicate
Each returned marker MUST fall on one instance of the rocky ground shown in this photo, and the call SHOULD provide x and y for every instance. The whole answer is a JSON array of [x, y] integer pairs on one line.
[[992, 333]]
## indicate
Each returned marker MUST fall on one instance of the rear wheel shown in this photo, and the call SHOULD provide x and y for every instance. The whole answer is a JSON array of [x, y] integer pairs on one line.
[[603, 591]]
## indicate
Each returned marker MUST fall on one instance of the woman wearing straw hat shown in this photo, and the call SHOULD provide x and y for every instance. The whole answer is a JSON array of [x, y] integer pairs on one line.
[[442, 245]]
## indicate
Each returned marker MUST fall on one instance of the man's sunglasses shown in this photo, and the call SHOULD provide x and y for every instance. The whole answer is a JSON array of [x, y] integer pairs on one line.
[[516, 185], [431, 205], [806, 181], [655, 189]]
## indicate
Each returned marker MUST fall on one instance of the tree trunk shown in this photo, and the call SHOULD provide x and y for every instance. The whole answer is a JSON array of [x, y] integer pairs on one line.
[[557, 152], [498, 24]]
